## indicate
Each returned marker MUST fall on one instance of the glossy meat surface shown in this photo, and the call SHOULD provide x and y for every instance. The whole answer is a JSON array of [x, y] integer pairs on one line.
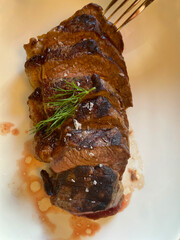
[[85, 190], [83, 58], [89, 152]]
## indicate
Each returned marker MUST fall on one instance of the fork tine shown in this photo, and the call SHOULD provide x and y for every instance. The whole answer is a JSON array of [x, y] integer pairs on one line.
[[136, 12], [125, 1], [127, 10], [110, 5]]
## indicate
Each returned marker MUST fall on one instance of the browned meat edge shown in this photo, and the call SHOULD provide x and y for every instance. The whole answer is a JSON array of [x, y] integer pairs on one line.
[[84, 58], [85, 190]]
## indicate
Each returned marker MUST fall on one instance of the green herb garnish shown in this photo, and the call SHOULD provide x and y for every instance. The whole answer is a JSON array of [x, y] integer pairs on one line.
[[65, 102]]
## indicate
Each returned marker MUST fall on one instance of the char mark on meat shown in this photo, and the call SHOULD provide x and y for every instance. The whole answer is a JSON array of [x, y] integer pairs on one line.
[[83, 22], [85, 190], [83, 147], [95, 138], [77, 58]]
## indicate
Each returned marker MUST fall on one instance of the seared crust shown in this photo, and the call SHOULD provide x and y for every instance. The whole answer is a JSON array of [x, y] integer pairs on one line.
[[84, 189], [100, 103], [36, 109], [44, 146], [93, 147], [94, 113], [84, 58], [88, 19], [87, 23], [109, 30]]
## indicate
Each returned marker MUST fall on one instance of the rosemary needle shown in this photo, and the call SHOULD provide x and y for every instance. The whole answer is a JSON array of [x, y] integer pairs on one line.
[[65, 102]]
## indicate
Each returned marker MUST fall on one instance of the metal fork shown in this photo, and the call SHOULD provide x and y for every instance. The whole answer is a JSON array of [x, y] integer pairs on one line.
[[138, 10]]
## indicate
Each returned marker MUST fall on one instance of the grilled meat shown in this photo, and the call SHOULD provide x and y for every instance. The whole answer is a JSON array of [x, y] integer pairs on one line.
[[87, 20], [83, 147], [85, 190], [87, 50], [84, 58]]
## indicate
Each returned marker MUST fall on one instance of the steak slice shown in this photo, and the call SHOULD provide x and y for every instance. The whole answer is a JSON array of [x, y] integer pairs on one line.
[[88, 153], [93, 113], [84, 58], [88, 65], [83, 27], [102, 104], [103, 91], [109, 30], [102, 88], [85, 190], [89, 18], [99, 111], [84, 147]]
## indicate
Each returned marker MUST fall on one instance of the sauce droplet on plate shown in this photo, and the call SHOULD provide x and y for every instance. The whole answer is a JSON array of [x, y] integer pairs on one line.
[[55, 221], [5, 128], [35, 186], [83, 227], [15, 132]]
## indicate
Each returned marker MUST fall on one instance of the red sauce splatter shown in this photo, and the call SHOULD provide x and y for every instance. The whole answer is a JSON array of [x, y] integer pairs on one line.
[[15, 131], [26, 165], [126, 201], [5, 128]]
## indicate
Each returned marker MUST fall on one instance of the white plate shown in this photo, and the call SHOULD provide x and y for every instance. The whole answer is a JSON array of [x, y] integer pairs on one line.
[[151, 54]]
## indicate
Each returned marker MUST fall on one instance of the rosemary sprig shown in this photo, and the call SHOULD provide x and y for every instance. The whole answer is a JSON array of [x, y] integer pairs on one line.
[[65, 102]]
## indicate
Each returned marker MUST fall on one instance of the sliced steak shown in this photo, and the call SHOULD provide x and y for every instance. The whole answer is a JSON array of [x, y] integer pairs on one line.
[[84, 147], [99, 111], [85, 190], [88, 153], [93, 113], [100, 103], [102, 88], [88, 19], [108, 29], [84, 58], [83, 27]]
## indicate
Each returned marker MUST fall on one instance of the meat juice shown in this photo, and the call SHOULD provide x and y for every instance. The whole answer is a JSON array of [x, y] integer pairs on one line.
[[6, 128], [56, 221], [15, 131], [49, 215]]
